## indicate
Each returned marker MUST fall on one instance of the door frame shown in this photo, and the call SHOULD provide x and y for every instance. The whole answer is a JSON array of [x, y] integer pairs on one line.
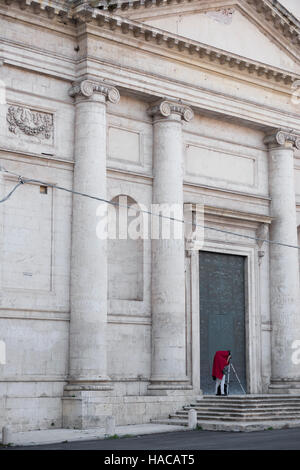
[[252, 311]]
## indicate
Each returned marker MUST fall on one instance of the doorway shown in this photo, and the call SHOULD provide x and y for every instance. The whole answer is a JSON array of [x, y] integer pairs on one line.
[[222, 316]]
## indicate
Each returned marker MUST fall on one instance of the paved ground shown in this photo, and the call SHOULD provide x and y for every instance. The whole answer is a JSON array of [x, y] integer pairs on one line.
[[56, 436], [284, 439]]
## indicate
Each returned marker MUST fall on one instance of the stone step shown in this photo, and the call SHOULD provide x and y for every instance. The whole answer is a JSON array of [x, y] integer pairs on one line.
[[206, 417], [236, 426], [242, 408], [243, 411], [240, 403], [238, 413], [246, 410], [245, 403], [248, 398], [252, 398], [228, 401]]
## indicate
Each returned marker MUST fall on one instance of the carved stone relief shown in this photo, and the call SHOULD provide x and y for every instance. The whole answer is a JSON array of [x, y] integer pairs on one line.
[[224, 15], [26, 121]]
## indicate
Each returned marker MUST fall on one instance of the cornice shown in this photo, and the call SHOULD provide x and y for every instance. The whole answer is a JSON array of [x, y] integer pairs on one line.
[[285, 23], [62, 8], [235, 214], [268, 28], [84, 13]]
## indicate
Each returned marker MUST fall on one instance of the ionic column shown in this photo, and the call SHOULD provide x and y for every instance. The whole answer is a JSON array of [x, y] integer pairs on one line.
[[284, 267], [168, 273], [88, 364]]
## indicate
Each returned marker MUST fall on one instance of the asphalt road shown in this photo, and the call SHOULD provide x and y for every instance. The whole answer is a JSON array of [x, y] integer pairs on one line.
[[284, 439]]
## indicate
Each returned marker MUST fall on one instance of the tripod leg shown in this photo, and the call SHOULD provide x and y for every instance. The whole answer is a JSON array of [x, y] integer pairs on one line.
[[238, 379], [228, 379], [226, 386]]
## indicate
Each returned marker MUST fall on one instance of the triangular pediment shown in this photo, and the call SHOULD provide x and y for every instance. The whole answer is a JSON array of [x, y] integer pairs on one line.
[[230, 30], [233, 26]]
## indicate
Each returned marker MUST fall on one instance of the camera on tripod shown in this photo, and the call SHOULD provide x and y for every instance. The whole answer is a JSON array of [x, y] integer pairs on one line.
[[225, 365]]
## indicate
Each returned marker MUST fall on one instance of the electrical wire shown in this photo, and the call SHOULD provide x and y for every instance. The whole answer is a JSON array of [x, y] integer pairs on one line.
[[23, 180], [11, 192]]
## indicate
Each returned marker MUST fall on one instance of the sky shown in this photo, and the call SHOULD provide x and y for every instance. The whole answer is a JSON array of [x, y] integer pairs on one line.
[[293, 6]]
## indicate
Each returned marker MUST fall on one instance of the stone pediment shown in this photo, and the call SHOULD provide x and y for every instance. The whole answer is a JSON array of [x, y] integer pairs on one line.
[[117, 23], [241, 27], [229, 29]]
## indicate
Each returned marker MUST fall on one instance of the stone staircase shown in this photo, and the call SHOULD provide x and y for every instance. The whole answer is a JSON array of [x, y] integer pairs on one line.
[[241, 412]]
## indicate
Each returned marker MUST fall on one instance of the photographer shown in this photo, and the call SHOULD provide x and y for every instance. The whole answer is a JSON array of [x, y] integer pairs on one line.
[[221, 361]]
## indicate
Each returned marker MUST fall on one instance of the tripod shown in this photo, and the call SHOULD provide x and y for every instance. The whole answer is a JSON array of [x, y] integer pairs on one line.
[[228, 377]]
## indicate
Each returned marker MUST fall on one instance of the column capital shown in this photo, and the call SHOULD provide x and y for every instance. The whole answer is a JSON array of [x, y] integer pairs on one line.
[[164, 108], [282, 138], [86, 89]]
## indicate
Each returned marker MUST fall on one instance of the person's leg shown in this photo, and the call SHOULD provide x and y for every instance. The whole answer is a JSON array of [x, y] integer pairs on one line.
[[218, 381], [222, 384]]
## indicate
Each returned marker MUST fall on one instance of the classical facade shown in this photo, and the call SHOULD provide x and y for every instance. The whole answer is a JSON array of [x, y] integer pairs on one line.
[[155, 102]]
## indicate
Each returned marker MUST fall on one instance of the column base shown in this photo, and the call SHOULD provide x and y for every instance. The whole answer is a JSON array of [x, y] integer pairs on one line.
[[167, 387], [85, 409], [285, 387], [78, 384], [77, 387]]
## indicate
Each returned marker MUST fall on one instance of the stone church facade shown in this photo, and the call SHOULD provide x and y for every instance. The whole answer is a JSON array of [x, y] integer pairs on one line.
[[193, 103]]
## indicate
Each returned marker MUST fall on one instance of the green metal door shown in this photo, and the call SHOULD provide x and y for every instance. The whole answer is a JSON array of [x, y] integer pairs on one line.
[[222, 316]]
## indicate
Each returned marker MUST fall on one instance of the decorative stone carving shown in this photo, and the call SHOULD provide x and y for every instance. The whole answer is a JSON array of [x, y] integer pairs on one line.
[[194, 227], [224, 15], [30, 122], [261, 233], [281, 138], [166, 108], [86, 88]]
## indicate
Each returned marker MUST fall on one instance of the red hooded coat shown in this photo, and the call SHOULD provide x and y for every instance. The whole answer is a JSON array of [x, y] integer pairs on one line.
[[220, 361]]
